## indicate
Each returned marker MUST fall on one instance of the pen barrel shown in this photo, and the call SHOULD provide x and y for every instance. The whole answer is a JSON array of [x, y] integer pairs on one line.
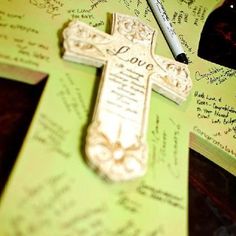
[[166, 27]]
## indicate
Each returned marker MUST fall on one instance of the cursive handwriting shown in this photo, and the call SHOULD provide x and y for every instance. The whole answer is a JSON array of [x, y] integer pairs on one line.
[[72, 97], [180, 17], [156, 194], [215, 75], [51, 7], [212, 139], [189, 3], [212, 108], [161, 150], [52, 135]]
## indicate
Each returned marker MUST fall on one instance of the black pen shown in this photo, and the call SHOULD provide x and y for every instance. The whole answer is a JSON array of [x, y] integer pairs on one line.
[[168, 30]]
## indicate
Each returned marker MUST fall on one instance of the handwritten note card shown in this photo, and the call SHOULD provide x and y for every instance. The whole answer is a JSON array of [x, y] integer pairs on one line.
[[51, 190]]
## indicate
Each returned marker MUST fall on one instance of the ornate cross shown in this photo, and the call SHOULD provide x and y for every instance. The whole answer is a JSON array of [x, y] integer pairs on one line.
[[116, 144]]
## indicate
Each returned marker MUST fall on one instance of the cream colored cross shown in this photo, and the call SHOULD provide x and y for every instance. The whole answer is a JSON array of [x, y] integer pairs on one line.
[[116, 143]]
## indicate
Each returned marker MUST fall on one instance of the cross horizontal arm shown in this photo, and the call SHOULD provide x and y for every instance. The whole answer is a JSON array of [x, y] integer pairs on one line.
[[84, 44], [174, 81]]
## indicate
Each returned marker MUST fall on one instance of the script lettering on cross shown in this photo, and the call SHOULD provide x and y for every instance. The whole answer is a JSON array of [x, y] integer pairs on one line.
[[116, 143]]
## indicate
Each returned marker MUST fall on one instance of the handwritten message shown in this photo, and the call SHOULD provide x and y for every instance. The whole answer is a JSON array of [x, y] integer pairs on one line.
[[219, 114], [162, 153], [216, 75], [138, 8], [199, 12], [71, 97], [160, 195], [51, 7], [53, 202], [27, 50], [215, 110], [51, 135]]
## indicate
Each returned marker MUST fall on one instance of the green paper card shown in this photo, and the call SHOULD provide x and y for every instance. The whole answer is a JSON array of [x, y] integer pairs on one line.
[[51, 190]]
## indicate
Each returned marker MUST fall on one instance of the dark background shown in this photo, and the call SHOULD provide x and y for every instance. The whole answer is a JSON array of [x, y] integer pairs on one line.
[[218, 38]]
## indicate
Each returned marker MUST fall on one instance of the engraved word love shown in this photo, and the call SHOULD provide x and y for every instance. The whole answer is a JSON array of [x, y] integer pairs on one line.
[[122, 54]]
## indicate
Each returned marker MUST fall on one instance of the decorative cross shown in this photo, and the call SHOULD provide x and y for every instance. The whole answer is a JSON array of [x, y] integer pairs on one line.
[[115, 143]]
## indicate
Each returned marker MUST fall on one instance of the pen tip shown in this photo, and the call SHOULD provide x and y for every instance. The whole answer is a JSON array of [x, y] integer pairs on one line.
[[182, 58]]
